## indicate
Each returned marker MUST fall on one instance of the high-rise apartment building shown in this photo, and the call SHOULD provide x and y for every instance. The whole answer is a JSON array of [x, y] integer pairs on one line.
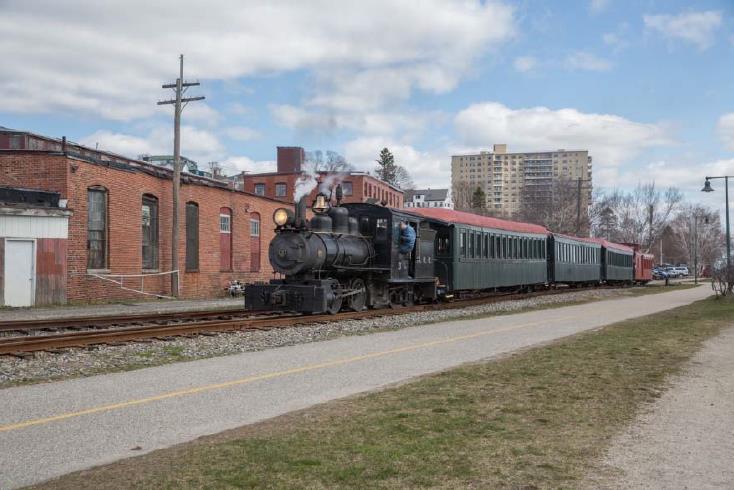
[[509, 179]]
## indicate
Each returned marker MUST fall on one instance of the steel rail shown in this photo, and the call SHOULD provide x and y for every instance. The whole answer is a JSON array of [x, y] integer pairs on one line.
[[103, 320], [20, 345]]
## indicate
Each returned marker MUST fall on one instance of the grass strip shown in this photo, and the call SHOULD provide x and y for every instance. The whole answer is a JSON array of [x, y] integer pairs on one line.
[[537, 419]]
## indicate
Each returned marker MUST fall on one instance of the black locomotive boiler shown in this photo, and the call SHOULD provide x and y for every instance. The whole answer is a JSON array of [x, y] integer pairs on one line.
[[346, 256]]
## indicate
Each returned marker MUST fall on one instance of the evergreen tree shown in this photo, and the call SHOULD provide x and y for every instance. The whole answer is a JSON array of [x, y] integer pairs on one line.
[[386, 169], [479, 199]]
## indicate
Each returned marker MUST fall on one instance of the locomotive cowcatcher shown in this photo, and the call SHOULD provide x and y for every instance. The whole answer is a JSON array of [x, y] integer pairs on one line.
[[346, 256]]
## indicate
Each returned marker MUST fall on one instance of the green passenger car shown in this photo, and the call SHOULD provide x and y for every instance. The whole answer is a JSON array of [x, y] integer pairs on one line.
[[574, 260]]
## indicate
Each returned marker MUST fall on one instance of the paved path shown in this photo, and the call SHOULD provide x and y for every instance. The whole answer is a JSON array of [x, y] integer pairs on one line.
[[686, 438], [52, 429]]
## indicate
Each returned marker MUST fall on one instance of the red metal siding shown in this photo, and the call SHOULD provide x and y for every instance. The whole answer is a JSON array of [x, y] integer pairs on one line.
[[50, 271]]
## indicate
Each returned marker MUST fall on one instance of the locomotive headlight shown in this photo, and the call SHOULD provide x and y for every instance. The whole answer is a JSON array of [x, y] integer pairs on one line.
[[282, 217]]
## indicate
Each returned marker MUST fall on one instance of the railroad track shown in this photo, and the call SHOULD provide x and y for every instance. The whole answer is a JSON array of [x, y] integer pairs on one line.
[[103, 321], [194, 324]]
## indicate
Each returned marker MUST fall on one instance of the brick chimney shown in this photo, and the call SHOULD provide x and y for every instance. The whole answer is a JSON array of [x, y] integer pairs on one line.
[[290, 159]]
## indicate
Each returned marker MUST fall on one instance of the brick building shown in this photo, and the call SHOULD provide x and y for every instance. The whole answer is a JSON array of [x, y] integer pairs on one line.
[[280, 185], [120, 221]]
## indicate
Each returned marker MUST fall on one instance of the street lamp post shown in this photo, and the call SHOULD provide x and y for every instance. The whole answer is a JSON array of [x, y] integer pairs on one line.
[[707, 188]]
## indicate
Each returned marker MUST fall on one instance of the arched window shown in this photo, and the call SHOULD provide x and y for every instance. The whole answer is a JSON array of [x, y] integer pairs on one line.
[[149, 224], [192, 237], [255, 242], [225, 239], [97, 245]]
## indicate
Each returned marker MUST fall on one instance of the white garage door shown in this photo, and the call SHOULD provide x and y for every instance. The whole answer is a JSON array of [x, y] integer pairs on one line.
[[19, 272]]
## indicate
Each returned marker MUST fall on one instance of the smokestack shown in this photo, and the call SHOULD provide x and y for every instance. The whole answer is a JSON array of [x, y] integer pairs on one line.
[[301, 212], [63, 145]]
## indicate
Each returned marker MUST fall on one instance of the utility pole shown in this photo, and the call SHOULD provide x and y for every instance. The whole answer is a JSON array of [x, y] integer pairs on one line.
[[695, 249], [579, 181], [651, 210], [179, 103], [578, 207]]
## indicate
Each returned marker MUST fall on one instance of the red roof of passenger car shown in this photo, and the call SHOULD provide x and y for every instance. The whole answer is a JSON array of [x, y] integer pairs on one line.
[[453, 216], [617, 246], [578, 238]]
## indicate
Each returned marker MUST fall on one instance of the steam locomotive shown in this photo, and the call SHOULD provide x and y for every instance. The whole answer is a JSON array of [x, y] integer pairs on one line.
[[347, 256]]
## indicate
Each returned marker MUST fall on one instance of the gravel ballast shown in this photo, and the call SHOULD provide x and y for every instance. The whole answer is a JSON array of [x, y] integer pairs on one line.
[[72, 363]]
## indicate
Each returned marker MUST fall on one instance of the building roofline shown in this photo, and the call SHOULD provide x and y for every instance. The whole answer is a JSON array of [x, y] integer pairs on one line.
[[136, 165], [487, 152]]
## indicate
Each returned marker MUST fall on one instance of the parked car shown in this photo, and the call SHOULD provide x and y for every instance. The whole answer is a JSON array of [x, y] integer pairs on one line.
[[672, 272], [659, 274], [682, 271]]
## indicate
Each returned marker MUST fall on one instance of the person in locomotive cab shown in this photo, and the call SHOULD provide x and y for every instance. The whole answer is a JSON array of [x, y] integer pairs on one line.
[[407, 238]]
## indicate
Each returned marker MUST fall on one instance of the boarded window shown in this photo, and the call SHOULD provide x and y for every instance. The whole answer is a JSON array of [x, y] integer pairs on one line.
[[254, 242], [150, 232], [96, 229], [192, 236]]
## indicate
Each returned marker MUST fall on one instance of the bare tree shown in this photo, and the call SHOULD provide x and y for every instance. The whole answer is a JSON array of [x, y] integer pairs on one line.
[[327, 161], [553, 206], [640, 216], [403, 180], [697, 234], [462, 194]]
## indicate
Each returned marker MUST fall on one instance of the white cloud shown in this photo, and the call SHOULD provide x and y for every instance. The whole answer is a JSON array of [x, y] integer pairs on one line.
[[685, 175], [237, 164], [610, 139], [200, 145], [598, 6], [698, 28], [368, 123], [725, 128], [110, 58], [242, 133], [122, 144], [582, 60], [525, 64], [427, 169]]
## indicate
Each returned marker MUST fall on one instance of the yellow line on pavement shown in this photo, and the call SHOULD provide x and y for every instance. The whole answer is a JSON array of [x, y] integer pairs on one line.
[[259, 377]]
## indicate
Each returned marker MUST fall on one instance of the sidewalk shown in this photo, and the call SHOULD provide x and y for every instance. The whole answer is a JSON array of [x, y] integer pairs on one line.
[[126, 308], [686, 438]]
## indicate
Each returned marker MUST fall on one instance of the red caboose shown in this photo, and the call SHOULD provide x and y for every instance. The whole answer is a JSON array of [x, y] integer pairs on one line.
[[643, 265]]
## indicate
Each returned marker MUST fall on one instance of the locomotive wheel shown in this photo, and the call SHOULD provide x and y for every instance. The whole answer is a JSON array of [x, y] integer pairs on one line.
[[357, 301], [334, 306]]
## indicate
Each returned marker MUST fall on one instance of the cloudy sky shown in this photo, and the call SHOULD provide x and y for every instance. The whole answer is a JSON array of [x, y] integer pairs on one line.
[[647, 86]]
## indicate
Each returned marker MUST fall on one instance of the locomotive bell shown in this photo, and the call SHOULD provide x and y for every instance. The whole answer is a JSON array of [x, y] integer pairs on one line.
[[320, 205]]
